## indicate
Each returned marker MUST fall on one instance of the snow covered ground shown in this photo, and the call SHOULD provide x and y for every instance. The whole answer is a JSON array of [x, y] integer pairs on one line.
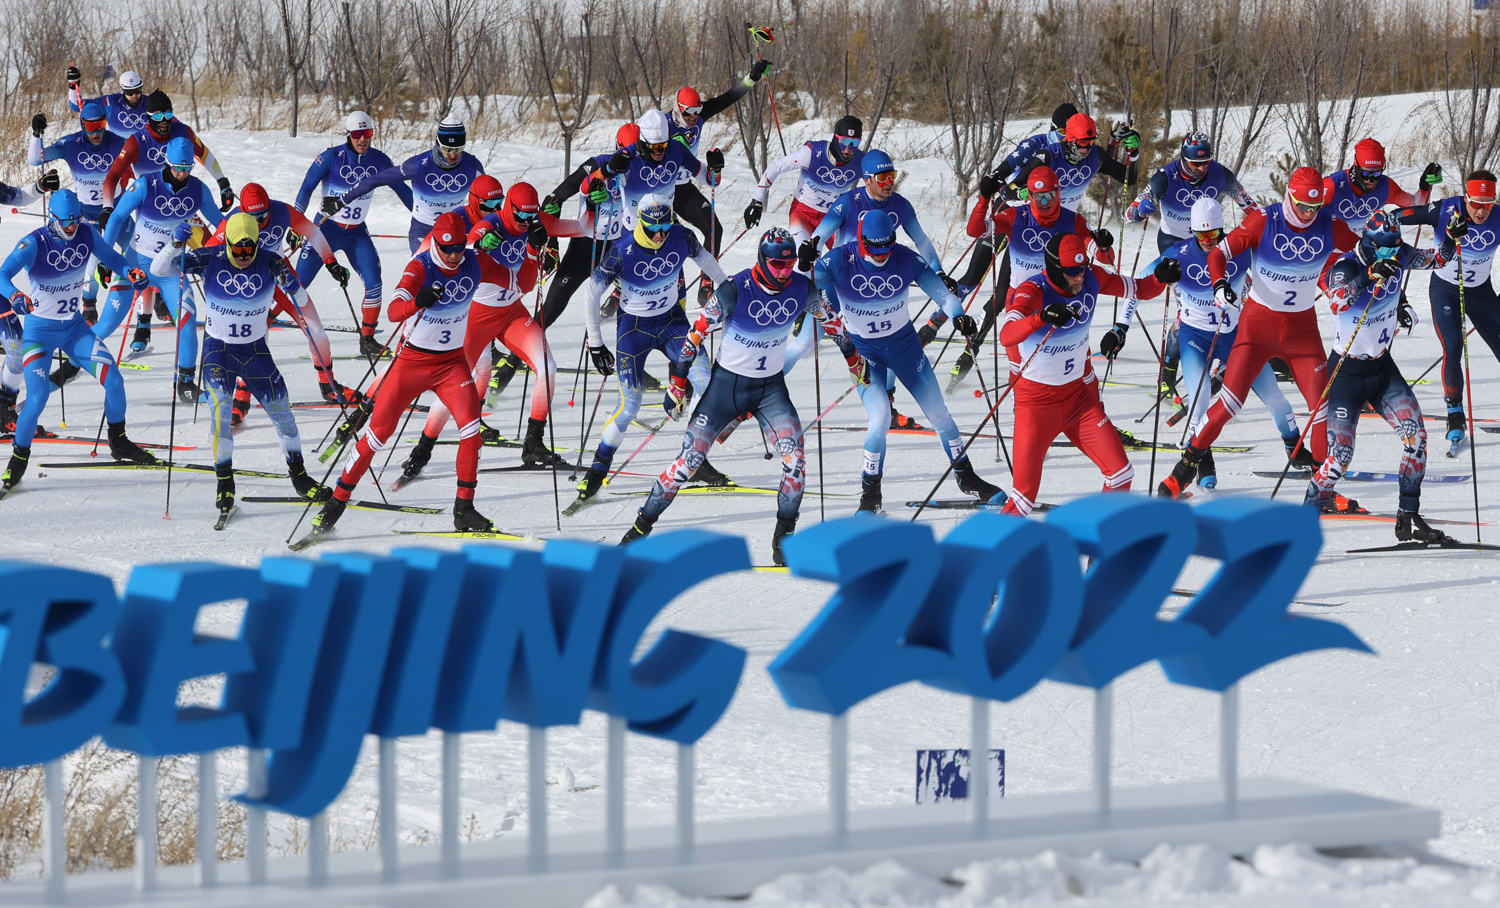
[[1416, 723]]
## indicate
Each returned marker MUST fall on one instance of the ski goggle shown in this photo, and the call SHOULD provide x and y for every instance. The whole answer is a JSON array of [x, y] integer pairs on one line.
[[847, 144], [1364, 175], [1076, 271], [1044, 199], [132, 92], [1480, 193], [877, 254], [655, 230], [95, 125], [1306, 208], [1194, 168], [781, 268], [451, 152], [180, 170], [1386, 252], [260, 216], [523, 217], [242, 249], [653, 148], [161, 116], [450, 248], [885, 180], [692, 111], [361, 133], [491, 204], [68, 225], [1084, 143], [1209, 237]]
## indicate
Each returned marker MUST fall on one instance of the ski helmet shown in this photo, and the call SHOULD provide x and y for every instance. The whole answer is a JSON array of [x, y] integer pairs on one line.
[[451, 132], [1197, 148], [521, 207], [1382, 236], [63, 213], [1062, 115], [255, 201], [130, 80], [241, 233], [689, 102], [1079, 138], [358, 120], [627, 136], [180, 152], [485, 195], [877, 162], [846, 135], [653, 220], [449, 230], [775, 259], [654, 128], [1042, 193], [877, 235], [1066, 253]]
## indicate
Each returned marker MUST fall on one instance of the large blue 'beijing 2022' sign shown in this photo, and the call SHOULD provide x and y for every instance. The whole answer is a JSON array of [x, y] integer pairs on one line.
[[331, 650]]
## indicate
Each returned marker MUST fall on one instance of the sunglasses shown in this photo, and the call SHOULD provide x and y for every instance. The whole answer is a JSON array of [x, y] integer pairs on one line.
[[1075, 272], [654, 147], [95, 125], [1087, 142], [67, 224], [848, 143], [243, 249], [691, 111], [1480, 203], [261, 217], [132, 93], [1208, 237], [450, 249], [780, 267], [182, 170], [1306, 207], [1386, 252], [1044, 199], [1194, 166], [161, 116], [655, 230], [361, 133], [491, 204], [885, 179], [525, 217]]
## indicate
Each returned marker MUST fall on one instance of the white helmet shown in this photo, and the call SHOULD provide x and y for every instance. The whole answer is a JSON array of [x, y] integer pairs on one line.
[[1207, 215], [130, 80], [654, 127], [358, 120]]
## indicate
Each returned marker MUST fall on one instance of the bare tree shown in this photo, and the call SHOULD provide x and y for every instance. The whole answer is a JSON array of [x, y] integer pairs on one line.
[[443, 35], [1317, 46], [565, 65], [366, 52], [1468, 110]]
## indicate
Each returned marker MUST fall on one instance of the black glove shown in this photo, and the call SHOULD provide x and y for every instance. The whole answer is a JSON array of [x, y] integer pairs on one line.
[[604, 361], [1103, 238], [38, 124], [1432, 176], [951, 284], [226, 195], [714, 158], [966, 325], [989, 184], [1058, 314], [1168, 271], [758, 69], [338, 272], [1458, 226], [536, 235], [549, 257], [807, 253], [1224, 294], [1113, 340], [74, 76], [1384, 269], [104, 214], [49, 182], [1404, 316], [428, 296], [752, 214], [550, 205], [619, 162], [333, 204]]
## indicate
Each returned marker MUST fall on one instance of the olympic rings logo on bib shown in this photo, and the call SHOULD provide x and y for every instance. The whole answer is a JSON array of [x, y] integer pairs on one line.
[[271, 237], [836, 176], [1187, 195], [245, 285], [1198, 274], [1478, 239], [157, 154], [133, 120], [876, 286], [660, 175], [1356, 211], [1074, 176], [447, 182], [457, 289], [1035, 240], [775, 311], [1302, 249], [647, 269], [352, 174], [91, 161], [174, 206], [68, 257]]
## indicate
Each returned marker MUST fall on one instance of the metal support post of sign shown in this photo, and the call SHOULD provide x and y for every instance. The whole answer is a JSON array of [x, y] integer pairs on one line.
[[452, 775], [145, 828], [1104, 721], [614, 793], [256, 786], [208, 818], [979, 763], [685, 778], [1229, 744], [55, 830], [317, 849], [536, 797], [838, 774], [390, 845]]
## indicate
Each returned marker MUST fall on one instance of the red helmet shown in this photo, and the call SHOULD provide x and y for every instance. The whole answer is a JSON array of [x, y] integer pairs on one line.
[[1369, 155], [521, 207], [687, 97], [627, 135], [449, 230], [254, 199], [485, 196], [1080, 127], [1306, 186], [1041, 189]]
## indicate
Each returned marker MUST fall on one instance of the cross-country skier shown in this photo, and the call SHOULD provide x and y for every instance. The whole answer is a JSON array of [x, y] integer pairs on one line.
[[145, 153], [240, 279], [1364, 293], [826, 169], [340, 169], [432, 301], [599, 207], [56, 258], [125, 110], [648, 268], [1480, 304], [1208, 330], [1362, 188], [439, 180], [512, 237], [10, 324], [756, 308], [866, 282], [1293, 241], [1046, 334], [159, 202]]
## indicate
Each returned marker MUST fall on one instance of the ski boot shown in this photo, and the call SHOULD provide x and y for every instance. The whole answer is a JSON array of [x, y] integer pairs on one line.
[[970, 484], [960, 369], [1182, 474], [142, 338], [1208, 477], [19, 457], [8, 410], [785, 526], [709, 475], [187, 390], [534, 451], [505, 370], [351, 426], [224, 497], [238, 411], [705, 289], [588, 487], [1282, 370], [64, 373], [306, 486], [611, 305], [1410, 527], [413, 464], [1127, 440], [1338, 504], [163, 313], [1303, 459], [323, 521], [1169, 381], [638, 530], [122, 448], [650, 382], [899, 421], [334, 393], [468, 520], [90, 312], [869, 493], [369, 347], [1457, 425], [489, 435]]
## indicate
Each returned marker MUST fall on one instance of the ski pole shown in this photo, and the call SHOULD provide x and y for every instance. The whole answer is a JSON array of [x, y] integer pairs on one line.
[[1468, 391], [988, 416], [1208, 364], [757, 35], [639, 449], [818, 402], [358, 388], [123, 334], [847, 391], [952, 333], [999, 435], [62, 389], [1161, 375], [172, 425]]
